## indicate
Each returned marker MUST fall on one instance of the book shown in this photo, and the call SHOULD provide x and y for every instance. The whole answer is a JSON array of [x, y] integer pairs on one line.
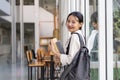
[[57, 46], [60, 47]]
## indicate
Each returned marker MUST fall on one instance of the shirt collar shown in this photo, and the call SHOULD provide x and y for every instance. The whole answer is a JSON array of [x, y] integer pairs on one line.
[[78, 31]]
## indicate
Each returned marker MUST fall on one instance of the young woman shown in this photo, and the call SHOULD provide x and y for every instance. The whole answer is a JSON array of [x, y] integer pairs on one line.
[[92, 42], [74, 24]]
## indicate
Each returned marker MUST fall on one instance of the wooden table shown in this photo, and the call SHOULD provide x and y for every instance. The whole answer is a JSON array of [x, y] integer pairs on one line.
[[50, 60]]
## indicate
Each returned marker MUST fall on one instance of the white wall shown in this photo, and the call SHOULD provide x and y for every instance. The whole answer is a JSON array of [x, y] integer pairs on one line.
[[46, 23], [28, 14], [46, 19]]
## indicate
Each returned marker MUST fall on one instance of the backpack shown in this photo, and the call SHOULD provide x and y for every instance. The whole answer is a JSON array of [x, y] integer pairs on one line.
[[79, 69]]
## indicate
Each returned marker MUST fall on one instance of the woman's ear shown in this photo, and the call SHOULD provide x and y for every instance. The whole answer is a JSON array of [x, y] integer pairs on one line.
[[81, 24]]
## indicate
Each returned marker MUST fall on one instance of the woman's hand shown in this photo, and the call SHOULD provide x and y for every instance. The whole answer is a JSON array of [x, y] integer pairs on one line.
[[52, 48], [49, 47]]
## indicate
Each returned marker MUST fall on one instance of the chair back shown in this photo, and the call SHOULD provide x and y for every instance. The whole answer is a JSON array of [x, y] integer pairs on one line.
[[29, 56], [33, 53], [40, 54]]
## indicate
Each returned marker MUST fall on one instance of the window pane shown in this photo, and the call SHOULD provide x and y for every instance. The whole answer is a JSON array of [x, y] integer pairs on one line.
[[5, 50], [92, 40], [26, 2], [116, 38]]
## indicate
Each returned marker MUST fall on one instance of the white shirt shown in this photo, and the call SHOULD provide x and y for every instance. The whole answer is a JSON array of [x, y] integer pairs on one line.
[[90, 41], [73, 49]]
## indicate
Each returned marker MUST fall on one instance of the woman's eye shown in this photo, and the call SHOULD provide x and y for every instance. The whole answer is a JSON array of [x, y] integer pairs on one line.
[[73, 22], [68, 21]]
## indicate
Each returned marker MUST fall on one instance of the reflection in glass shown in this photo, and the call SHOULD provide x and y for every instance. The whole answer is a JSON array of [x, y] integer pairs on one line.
[[92, 41], [93, 38], [5, 51]]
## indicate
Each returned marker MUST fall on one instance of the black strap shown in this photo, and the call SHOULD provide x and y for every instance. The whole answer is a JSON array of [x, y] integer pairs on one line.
[[80, 39], [67, 52], [67, 70], [81, 42]]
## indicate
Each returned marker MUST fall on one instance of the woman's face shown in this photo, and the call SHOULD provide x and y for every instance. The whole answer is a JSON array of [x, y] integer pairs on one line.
[[73, 24], [95, 25]]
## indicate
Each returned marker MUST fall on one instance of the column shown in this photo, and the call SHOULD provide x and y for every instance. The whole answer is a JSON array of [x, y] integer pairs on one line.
[[109, 26], [22, 40], [56, 22], [82, 10], [13, 38], [72, 5], [102, 37], [77, 7], [36, 28], [87, 19], [64, 12]]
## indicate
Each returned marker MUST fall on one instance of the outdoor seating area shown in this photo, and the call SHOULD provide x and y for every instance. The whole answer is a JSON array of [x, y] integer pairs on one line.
[[45, 65]]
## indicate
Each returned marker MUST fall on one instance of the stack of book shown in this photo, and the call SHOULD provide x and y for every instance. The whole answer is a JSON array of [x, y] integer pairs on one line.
[[57, 46]]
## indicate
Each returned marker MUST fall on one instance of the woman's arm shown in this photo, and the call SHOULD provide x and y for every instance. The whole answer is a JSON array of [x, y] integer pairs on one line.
[[73, 49]]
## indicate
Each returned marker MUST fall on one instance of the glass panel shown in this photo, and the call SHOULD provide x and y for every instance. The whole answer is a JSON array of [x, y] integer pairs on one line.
[[26, 2], [116, 38], [17, 2], [29, 36], [19, 67], [21, 64], [92, 41], [29, 31], [5, 50]]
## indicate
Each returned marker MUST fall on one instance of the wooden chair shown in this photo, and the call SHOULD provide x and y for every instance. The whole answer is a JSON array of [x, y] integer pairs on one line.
[[49, 63], [33, 53], [40, 54], [29, 56], [33, 64]]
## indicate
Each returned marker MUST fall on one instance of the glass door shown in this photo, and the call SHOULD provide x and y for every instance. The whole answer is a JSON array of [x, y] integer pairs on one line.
[[92, 37], [5, 51], [116, 39]]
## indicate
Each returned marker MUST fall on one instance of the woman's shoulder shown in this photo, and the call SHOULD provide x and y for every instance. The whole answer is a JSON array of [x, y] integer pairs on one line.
[[75, 36], [76, 33]]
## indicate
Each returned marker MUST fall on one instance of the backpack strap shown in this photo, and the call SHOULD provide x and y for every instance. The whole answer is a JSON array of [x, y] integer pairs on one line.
[[80, 39], [67, 52], [69, 67]]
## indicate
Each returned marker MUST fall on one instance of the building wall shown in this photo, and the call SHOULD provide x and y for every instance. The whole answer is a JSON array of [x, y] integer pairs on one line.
[[4, 7], [46, 19]]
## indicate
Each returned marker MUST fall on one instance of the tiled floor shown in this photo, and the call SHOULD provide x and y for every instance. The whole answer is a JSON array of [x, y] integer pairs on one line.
[[13, 72], [16, 72], [5, 72]]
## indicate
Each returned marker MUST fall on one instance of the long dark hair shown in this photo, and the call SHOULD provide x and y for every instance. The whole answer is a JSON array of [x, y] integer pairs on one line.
[[94, 17]]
